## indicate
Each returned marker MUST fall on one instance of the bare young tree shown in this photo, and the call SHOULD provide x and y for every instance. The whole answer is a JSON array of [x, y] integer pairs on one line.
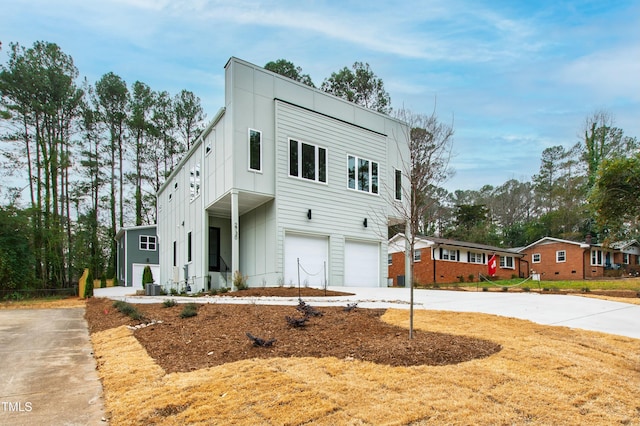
[[430, 149]]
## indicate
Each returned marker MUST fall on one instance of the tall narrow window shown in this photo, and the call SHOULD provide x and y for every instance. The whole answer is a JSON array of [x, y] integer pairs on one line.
[[398, 185], [322, 164], [308, 161], [255, 150], [352, 172], [293, 158], [194, 182], [374, 177], [189, 247], [175, 254]]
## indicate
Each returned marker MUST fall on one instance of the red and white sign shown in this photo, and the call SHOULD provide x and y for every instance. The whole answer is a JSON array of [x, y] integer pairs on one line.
[[493, 265]]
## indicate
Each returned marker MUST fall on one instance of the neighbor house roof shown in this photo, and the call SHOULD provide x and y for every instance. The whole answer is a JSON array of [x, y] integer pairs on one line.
[[436, 241], [547, 240]]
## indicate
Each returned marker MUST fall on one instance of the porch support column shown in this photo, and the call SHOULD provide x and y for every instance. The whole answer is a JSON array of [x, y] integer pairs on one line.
[[235, 233]]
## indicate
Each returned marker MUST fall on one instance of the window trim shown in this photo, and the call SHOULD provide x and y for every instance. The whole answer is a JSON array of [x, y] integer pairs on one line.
[[504, 263], [417, 255], [594, 257], [249, 131], [318, 172], [370, 180], [397, 184], [390, 259], [476, 261], [558, 255], [195, 182], [148, 242], [533, 258]]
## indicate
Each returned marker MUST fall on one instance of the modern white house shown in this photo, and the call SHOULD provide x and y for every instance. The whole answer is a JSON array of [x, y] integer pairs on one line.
[[287, 185]]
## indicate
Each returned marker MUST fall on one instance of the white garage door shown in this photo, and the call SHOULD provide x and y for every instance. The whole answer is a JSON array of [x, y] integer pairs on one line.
[[313, 255], [362, 264], [138, 269]]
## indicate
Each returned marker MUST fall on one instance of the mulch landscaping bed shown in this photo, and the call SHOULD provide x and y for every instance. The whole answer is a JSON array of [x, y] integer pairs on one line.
[[218, 335]]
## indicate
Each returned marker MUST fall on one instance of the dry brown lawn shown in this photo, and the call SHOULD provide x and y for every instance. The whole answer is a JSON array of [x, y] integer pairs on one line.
[[542, 375], [70, 302]]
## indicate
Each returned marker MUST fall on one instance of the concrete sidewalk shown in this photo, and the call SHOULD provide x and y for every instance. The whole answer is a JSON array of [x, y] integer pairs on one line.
[[549, 309]]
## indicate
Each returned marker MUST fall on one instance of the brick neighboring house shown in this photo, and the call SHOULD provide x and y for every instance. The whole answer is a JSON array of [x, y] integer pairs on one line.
[[444, 261], [557, 259], [628, 256]]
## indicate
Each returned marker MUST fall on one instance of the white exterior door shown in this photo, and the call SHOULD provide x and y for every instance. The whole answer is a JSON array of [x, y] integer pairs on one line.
[[138, 270], [362, 264], [313, 254]]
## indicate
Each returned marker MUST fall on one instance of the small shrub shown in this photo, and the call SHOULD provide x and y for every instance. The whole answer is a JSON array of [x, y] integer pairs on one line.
[[88, 287], [169, 303], [239, 280], [103, 281], [461, 278], [526, 289], [505, 288], [586, 289], [514, 276], [127, 309], [545, 289], [471, 277], [224, 290], [189, 310], [485, 288], [115, 281], [174, 292], [147, 276]]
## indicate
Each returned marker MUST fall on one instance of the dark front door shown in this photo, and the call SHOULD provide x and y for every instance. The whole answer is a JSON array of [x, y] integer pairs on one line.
[[214, 249]]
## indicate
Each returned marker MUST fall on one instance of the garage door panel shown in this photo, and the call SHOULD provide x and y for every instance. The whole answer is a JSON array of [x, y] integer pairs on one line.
[[137, 271], [312, 251], [362, 264]]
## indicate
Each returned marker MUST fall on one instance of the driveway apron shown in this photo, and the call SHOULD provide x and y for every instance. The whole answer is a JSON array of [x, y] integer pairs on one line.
[[47, 370]]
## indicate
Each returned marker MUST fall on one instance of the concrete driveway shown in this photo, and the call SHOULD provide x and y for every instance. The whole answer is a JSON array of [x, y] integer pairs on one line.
[[47, 370], [548, 309]]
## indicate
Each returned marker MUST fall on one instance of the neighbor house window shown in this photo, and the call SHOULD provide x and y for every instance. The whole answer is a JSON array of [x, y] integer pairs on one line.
[[175, 254], [255, 150], [506, 262], [194, 182], [189, 247], [307, 161], [446, 254], [417, 255], [625, 258], [147, 242], [561, 256], [476, 257], [596, 257], [535, 257], [398, 185], [390, 259], [362, 174]]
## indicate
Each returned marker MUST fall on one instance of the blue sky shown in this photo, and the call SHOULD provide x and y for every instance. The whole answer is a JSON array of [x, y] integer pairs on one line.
[[514, 77]]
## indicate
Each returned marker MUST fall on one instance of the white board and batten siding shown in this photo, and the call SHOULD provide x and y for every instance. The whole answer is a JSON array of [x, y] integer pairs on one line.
[[337, 212]]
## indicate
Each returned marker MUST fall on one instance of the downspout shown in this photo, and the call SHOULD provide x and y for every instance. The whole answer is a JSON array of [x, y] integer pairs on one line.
[[433, 259]]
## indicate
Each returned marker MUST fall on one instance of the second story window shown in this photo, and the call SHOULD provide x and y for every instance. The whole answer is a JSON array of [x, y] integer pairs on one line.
[[362, 174], [398, 185], [255, 150], [147, 243], [307, 161], [194, 182]]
